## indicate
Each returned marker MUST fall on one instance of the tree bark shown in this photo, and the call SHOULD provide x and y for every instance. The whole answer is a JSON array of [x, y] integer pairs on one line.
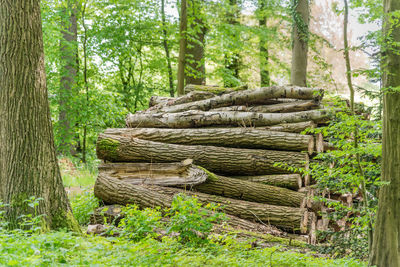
[[226, 137], [265, 79], [195, 118], [386, 238], [28, 161], [69, 71], [221, 160], [163, 174], [166, 49], [250, 191], [182, 48], [249, 97], [157, 102], [301, 105], [195, 65], [296, 127], [301, 19], [290, 181], [213, 89], [118, 192]]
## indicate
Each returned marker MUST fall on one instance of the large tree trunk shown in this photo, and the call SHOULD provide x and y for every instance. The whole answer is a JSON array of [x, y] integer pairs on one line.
[[300, 105], [69, 71], [182, 48], [290, 181], [213, 89], [301, 19], [249, 97], [195, 118], [28, 162], [386, 241], [227, 137], [163, 174], [195, 65], [117, 192], [296, 127], [221, 160], [157, 102]]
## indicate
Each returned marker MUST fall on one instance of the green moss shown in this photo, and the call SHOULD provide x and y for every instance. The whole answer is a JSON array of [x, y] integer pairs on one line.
[[108, 146], [211, 176], [66, 220]]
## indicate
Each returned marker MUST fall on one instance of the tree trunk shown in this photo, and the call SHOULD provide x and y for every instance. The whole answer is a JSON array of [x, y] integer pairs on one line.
[[118, 192], [227, 137], [164, 174], [301, 19], [300, 105], [28, 161], [213, 89], [296, 127], [69, 71], [166, 49], [386, 238], [157, 102], [249, 97], [221, 160], [290, 181], [195, 65], [250, 191], [182, 48], [195, 118], [263, 45]]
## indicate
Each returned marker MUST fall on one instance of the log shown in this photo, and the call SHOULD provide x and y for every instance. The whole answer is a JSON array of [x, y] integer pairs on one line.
[[300, 105], [290, 181], [164, 174], [296, 127], [250, 191], [118, 192], [227, 137], [248, 98], [158, 101], [213, 89], [196, 118], [221, 160]]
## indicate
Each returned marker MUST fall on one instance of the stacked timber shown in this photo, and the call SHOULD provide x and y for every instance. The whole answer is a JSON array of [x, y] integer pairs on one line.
[[235, 147]]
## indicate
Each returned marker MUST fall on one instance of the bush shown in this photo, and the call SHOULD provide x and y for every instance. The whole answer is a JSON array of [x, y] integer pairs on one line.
[[83, 206]]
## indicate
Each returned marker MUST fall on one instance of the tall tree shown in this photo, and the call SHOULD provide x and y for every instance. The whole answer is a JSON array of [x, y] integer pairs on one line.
[[386, 241], [28, 160], [232, 59], [195, 64], [263, 45], [166, 49], [69, 70], [182, 48], [301, 19]]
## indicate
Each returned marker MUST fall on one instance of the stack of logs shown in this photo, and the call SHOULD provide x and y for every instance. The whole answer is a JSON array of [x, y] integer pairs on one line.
[[238, 148]]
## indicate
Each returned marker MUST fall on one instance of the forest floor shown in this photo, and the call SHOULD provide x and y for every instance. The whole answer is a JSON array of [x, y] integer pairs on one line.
[[23, 248]]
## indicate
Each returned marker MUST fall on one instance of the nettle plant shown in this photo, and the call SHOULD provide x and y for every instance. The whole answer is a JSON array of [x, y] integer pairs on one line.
[[352, 169]]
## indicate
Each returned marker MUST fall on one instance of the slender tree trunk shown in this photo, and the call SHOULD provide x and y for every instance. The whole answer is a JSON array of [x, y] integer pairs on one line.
[[195, 64], [166, 48], [301, 18], [28, 161], [69, 70], [85, 81], [262, 22], [182, 48], [232, 62], [386, 239]]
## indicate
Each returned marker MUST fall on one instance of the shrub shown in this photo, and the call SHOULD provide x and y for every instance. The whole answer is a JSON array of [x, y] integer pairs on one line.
[[83, 206]]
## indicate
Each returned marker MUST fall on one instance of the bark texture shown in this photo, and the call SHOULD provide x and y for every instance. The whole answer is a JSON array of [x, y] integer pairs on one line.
[[249, 191], [301, 19], [28, 161], [226, 137], [290, 181], [277, 108], [182, 48], [296, 127], [386, 240], [118, 192], [157, 102], [221, 160], [249, 97], [213, 89], [163, 174], [265, 79], [196, 118]]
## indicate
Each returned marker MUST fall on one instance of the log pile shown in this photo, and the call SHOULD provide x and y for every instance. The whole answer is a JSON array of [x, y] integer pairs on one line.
[[245, 149]]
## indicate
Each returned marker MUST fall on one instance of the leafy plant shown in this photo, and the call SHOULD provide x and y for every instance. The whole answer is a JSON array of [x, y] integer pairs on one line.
[[83, 206]]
